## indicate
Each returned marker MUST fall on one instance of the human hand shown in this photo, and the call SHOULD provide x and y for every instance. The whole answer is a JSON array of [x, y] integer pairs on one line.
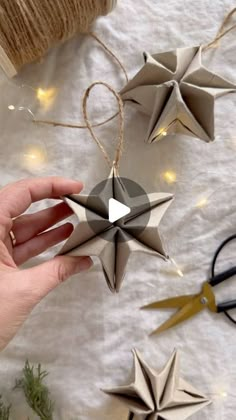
[[21, 290]]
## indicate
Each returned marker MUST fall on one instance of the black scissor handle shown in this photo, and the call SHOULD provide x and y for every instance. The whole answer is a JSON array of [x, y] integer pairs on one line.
[[213, 264], [226, 306], [219, 278]]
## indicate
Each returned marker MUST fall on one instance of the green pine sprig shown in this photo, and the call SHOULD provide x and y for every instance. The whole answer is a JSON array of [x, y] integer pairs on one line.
[[4, 411], [36, 392]]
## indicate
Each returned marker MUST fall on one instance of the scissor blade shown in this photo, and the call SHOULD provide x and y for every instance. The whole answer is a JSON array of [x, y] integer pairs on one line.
[[187, 311], [175, 302]]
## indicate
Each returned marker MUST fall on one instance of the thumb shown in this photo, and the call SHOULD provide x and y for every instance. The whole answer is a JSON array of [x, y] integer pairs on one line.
[[45, 277]]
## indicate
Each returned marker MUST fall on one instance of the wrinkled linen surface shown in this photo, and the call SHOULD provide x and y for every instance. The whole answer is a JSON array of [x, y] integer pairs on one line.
[[81, 333]]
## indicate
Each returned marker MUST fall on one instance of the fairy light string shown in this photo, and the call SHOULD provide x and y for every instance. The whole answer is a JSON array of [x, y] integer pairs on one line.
[[169, 176], [99, 124], [43, 94]]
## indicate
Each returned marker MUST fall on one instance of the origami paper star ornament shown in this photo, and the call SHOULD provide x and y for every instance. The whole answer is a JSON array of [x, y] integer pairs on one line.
[[113, 243], [178, 93], [163, 395]]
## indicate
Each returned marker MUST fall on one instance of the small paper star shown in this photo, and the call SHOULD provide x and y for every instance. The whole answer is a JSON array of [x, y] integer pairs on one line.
[[178, 93], [162, 395], [114, 242]]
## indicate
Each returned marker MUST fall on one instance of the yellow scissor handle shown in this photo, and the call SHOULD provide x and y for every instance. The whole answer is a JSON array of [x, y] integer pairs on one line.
[[207, 297]]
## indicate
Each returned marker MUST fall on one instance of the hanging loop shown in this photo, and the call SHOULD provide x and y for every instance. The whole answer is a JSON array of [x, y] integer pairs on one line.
[[120, 142]]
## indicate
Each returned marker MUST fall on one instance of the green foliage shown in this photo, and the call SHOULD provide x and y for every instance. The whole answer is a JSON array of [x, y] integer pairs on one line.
[[36, 393], [4, 411]]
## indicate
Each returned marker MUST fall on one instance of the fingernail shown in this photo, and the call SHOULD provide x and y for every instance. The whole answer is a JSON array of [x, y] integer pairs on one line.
[[76, 185], [85, 264], [78, 182]]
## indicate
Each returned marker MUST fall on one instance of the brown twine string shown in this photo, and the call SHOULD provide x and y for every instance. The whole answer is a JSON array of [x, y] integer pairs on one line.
[[104, 46], [99, 124], [120, 142], [70, 125], [29, 28], [222, 31]]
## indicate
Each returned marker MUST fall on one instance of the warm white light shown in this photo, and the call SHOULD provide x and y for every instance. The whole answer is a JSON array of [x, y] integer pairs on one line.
[[11, 107], [223, 394], [220, 390], [178, 269], [169, 176], [180, 273], [34, 157], [202, 203], [162, 132], [46, 97]]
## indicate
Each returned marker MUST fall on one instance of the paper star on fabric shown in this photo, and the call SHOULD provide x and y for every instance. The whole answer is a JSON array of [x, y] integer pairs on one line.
[[163, 395], [113, 243], [178, 93]]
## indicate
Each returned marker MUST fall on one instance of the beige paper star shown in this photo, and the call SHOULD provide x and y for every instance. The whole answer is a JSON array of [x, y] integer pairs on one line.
[[178, 93], [159, 395], [113, 243]]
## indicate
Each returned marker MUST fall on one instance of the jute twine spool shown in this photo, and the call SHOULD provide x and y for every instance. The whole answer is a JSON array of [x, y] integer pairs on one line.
[[29, 28]]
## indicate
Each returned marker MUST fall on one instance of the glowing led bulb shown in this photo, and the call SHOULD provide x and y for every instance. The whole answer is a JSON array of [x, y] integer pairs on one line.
[[223, 394], [41, 93], [169, 177], [178, 270], [202, 203], [180, 273], [46, 97], [11, 107], [162, 132], [34, 157]]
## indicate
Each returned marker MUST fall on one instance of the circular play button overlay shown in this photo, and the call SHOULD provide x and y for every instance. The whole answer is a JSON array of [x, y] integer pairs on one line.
[[118, 209]]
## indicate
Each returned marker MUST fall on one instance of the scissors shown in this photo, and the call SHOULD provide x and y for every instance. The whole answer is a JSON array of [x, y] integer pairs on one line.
[[190, 305]]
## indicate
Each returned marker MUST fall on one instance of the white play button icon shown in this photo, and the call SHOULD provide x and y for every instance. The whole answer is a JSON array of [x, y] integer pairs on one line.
[[117, 210]]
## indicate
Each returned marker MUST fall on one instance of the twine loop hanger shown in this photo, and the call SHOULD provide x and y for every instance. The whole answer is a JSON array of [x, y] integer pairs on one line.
[[120, 142]]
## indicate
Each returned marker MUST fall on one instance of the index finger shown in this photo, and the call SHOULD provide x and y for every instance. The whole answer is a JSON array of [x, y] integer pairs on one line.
[[16, 198]]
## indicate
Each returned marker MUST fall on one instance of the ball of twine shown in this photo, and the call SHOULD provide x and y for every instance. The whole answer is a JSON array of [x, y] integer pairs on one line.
[[29, 28]]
